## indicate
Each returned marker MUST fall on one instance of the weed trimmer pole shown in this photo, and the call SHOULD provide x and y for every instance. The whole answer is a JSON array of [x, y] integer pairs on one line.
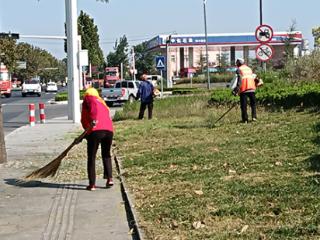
[[226, 112]]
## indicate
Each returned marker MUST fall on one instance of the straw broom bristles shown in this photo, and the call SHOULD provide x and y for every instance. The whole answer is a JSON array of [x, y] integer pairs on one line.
[[51, 168]]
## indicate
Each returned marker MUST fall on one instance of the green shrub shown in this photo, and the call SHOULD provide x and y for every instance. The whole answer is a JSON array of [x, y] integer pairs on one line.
[[287, 96], [63, 96]]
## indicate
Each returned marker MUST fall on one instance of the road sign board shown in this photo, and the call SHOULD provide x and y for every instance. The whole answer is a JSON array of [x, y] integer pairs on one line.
[[21, 65], [160, 63], [264, 33], [264, 52]]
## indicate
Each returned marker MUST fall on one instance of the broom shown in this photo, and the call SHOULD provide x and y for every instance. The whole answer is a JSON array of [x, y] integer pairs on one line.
[[51, 168]]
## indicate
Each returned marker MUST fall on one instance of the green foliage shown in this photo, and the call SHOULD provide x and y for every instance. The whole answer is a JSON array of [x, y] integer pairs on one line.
[[183, 91], [285, 95], [304, 68], [144, 60], [90, 39], [8, 52], [316, 35], [214, 77], [63, 96], [39, 63], [120, 55]]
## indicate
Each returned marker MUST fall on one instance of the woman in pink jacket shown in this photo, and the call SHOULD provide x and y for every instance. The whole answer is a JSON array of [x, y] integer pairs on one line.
[[96, 114]]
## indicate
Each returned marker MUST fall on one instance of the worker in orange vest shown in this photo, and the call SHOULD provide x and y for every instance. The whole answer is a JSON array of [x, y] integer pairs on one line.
[[245, 87]]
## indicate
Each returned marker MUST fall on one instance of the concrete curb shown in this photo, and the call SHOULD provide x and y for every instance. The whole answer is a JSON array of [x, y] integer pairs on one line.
[[131, 213]]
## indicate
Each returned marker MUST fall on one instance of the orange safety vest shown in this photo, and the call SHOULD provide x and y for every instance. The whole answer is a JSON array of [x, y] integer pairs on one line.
[[247, 81]]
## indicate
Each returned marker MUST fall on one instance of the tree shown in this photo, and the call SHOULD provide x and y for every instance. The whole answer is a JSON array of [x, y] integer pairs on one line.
[[223, 59], [8, 55], [145, 60], [120, 55], [39, 63], [288, 48], [316, 35], [90, 39]]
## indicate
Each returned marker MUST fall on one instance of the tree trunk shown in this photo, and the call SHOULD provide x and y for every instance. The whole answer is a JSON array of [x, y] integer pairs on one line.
[[3, 153]]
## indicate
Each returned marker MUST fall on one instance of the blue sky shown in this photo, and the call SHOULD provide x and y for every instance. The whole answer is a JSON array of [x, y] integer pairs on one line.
[[142, 19]]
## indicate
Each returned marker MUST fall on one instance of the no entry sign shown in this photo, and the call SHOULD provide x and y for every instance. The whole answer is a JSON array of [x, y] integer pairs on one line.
[[264, 33], [264, 52]]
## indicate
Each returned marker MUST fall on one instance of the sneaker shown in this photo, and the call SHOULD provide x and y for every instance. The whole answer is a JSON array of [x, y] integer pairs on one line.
[[254, 119], [109, 182], [244, 121], [91, 187]]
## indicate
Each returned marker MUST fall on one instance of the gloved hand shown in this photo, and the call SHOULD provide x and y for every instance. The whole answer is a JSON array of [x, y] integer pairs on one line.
[[93, 123], [235, 92]]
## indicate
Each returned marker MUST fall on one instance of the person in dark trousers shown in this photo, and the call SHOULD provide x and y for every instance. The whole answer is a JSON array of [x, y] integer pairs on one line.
[[245, 87], [96, 115], [145, 93]]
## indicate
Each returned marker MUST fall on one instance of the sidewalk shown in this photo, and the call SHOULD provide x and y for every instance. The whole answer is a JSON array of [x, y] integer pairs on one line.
[[46, 210]]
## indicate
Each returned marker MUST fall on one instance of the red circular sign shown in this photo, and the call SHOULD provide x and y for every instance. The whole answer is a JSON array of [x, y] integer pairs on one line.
[[264, 33], [264, 52]]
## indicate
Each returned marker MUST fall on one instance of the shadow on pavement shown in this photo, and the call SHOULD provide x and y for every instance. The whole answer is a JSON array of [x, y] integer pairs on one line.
[[39, 184]]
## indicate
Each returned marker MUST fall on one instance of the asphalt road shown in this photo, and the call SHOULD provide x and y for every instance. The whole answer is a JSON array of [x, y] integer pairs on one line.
[[16, 109], [16, 112]]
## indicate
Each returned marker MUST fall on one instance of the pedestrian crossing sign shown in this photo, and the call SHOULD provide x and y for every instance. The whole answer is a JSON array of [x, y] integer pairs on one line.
[[160, 62]]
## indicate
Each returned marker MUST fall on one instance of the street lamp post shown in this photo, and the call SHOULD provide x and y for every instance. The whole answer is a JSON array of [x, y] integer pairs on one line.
[[206, 35], [73, 72]]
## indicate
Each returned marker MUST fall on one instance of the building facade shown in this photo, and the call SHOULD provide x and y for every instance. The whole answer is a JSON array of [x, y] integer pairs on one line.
[[187, 52]]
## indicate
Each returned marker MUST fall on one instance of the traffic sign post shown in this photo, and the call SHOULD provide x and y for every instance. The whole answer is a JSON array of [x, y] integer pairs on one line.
[[264, 33], [264, 52], [160, 64]]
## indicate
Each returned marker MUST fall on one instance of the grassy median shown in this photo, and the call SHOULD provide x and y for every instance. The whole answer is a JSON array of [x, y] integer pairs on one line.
[[192, 179]]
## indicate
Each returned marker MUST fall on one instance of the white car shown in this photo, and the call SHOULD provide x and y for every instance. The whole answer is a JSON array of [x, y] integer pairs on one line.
[[51, 87], [31, 87]]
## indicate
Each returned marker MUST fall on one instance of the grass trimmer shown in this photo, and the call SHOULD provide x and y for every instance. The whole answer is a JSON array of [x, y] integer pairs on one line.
[[222, 116], [51, 168]]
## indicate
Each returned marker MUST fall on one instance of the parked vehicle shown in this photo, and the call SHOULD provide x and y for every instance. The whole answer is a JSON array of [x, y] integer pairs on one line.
[[154, 79], [31, 87], [123, 91], [51, 87], [111, 76], [5, 81]]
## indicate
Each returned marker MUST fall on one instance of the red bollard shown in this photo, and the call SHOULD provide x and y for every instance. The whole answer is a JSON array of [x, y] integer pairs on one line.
[[32, 119], [42, 114]]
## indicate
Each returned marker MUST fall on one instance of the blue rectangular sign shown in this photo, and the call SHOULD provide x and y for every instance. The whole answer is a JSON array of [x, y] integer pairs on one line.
[[160, 63]]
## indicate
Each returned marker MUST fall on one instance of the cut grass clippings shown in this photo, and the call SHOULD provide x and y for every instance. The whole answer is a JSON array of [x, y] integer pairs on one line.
[[192, 179]]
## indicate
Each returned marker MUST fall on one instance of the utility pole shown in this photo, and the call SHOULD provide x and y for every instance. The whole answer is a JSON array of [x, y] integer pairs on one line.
[[72, 52], [206, 35]]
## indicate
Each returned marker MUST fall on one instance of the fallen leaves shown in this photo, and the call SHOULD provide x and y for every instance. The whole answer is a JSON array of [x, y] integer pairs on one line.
[[198, 192], [198, 224]]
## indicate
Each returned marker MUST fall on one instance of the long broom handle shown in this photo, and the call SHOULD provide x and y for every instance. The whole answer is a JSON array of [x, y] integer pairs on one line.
[[226, 112], [76, 141]]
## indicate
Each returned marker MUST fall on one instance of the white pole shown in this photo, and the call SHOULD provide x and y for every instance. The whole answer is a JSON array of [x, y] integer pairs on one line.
[[121, 66], [81, 84], [133, 64], [73, 72], [161, 95], [206, 35]]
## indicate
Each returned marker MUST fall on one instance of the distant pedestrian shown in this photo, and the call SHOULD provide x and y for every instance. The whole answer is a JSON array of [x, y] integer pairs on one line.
[[96, 114], [145, 93], [245, 87]]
